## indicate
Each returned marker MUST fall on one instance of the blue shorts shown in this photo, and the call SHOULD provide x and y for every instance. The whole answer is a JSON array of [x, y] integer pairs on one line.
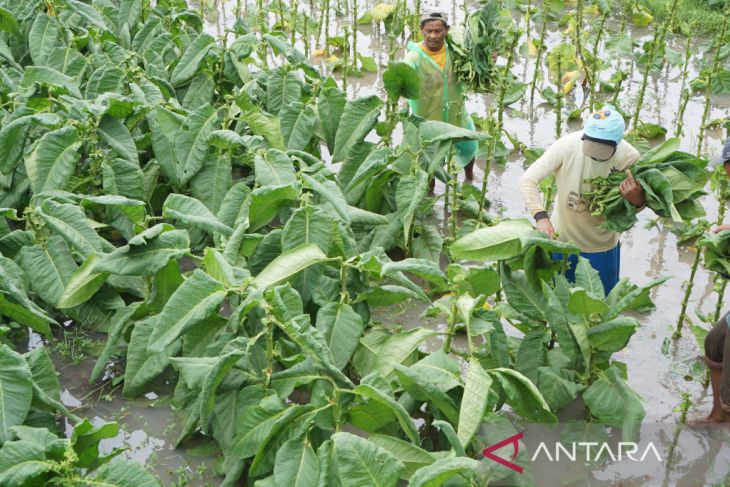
[[606, 263]]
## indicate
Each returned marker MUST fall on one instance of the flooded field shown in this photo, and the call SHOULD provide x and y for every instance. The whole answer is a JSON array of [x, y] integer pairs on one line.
[[659, 369]]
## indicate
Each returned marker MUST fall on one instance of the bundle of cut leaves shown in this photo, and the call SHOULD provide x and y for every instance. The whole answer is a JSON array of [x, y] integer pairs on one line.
[[472, 48], [717, 251], [672, 180]]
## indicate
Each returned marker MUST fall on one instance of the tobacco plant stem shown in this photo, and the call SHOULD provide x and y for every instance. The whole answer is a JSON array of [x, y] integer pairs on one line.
[[453, 182], [658, 40], [687, 293], [452, 325], [715, 66], [559, 117], [578, 43], [269, 350], [294, 8], [685, 92], [540, 49]]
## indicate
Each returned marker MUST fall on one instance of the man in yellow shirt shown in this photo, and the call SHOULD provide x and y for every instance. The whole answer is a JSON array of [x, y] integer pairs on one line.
[[441, 96], [574, 159]]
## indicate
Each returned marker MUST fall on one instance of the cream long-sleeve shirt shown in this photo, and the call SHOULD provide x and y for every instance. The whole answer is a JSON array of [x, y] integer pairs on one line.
[[571, 218]]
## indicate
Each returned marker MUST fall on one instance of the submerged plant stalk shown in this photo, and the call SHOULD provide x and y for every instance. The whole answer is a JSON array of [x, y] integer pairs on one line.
[[540, 50], [720, 40], [687, 293]]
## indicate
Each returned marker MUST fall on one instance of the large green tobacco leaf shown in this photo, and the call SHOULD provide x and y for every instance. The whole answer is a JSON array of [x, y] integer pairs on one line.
[[8, 23], [288, 264], [70, 222], [46, 393], [164, 126], [473, 402], [116, 134], [557, 390], [16, 390], [43, 37], [358, 118], [428, 244], [612, 336], [400, 79], [374, 163], [406, 422], [261, 123], [441, 369], [341, 328], [283, 88], [189, 62], [523, 396], [420, 387], [363, 464], [15, 303], [129, 13], [145, 257], [436, 474], [613, 402], [116, 327], [523, 296], [88, 13], [408, 196], [142, 367], [499, 242], [298, 123], [409, 454], [423, 269], [52, 164], [124, 178], [213, 379], [267, 201], [312, 345], [380, 351], [296, 464], [23, 463], [83, 284], [191, 212], [589, 279], [191, 142], [330, 105], [212, 182], [123, 473], [196, 299], [14, 133], [330, 192], [50, 268], [584, 304], [434, 131], [275, 168], [49, 77], [308, 224]]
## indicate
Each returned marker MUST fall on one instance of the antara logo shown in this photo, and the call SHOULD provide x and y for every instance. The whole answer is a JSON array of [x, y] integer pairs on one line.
[[626, 450], [487, 452]]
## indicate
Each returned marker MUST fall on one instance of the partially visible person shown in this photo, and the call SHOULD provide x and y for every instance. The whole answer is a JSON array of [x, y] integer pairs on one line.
[[717, 347], [441, 96], [574, 159]]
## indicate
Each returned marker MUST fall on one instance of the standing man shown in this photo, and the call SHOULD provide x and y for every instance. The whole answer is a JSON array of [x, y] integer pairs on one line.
[[717, 346], [441, 96], [575, 158]]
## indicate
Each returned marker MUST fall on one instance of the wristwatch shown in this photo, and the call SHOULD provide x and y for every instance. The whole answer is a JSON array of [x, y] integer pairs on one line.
[[540, 215]]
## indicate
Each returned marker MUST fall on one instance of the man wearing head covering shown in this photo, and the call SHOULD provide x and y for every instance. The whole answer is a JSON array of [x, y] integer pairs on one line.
[[717, 347], [441, 96], [574, 159]]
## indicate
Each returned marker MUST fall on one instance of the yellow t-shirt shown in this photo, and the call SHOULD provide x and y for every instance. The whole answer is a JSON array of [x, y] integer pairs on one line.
[[571, 167], [439, 57]]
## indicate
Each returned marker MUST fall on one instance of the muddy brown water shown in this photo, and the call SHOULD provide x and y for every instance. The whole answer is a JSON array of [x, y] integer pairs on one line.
[[660, 374]]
